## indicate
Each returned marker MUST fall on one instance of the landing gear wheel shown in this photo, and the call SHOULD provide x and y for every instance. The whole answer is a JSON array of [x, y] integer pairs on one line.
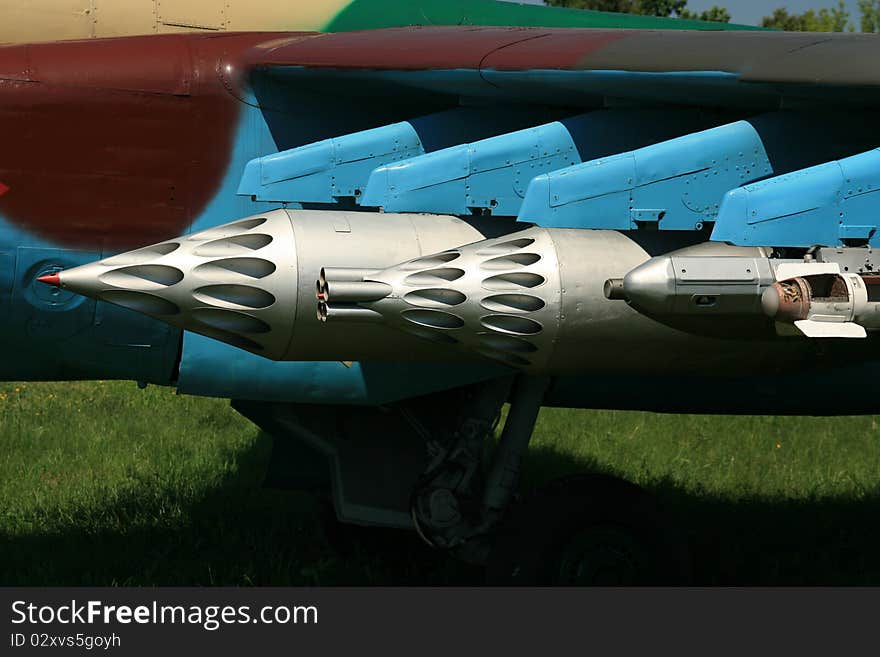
[[588, 530]]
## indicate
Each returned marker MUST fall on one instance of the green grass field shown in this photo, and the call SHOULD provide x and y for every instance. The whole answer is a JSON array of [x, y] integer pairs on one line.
[[102, 483]]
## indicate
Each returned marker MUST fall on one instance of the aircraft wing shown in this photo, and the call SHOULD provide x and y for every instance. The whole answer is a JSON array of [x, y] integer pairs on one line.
[[788, 59]]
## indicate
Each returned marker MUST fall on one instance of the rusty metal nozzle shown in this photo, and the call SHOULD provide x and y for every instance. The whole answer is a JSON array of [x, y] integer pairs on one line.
[[787, 301]]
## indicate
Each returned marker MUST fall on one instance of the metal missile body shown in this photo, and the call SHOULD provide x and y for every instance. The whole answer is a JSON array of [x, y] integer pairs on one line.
[[305, 285], [389, 287], [706, 290], [498, 298], [226, 282], [536, 300], [733, 296], [700, 284], [249, 282]]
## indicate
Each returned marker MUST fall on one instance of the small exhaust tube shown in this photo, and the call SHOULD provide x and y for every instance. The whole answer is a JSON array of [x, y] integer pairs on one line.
[[614, 289], [328, 313], [352, 274], [353, 292]]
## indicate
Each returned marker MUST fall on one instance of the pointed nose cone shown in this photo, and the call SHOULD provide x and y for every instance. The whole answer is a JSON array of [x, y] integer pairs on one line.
[[650, 287], [82, 280], [235, 282], [51, 279]]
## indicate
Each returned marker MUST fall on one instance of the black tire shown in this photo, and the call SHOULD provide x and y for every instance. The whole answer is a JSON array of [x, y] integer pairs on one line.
[[588, 530]]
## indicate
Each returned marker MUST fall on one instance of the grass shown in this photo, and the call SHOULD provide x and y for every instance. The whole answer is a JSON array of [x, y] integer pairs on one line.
[[102, 483]]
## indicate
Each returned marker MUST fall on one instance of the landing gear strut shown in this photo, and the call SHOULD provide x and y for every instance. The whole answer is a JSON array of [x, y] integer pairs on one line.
[[419, 464], [447, 509]]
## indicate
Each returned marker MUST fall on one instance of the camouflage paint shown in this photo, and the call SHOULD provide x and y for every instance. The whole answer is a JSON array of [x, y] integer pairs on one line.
[[50, 20], [370, 14]]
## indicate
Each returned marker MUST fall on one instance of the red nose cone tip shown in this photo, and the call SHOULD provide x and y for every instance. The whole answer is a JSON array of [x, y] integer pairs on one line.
[[50, 279], [3, 189]]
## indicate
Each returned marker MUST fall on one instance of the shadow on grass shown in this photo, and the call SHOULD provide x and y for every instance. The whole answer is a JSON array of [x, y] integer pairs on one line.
[[238, 534], [759, 541], [242, 534]]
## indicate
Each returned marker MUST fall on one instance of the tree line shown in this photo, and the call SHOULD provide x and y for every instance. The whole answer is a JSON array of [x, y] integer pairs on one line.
[[827, 19]]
